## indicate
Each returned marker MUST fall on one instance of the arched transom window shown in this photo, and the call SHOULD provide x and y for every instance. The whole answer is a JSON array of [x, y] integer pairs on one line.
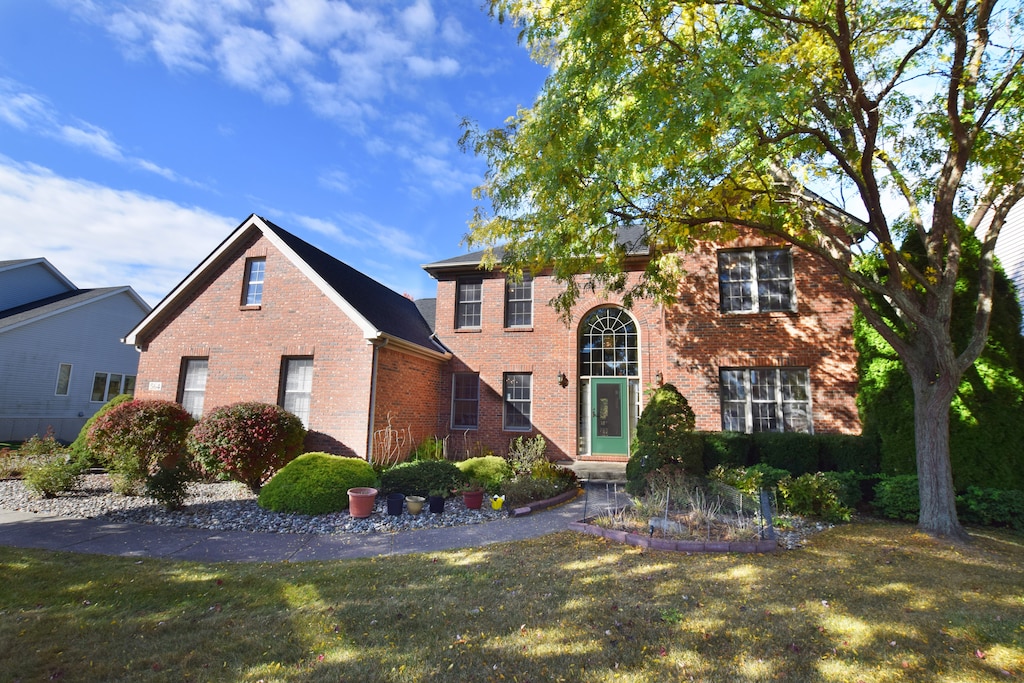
[[608, 347]]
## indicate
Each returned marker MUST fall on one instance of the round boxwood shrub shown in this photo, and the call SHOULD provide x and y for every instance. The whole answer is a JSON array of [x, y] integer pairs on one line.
[[136, 438], [664, 435], [897, 497], [421, 477], [316, 484], [489, 470], [247, 441]]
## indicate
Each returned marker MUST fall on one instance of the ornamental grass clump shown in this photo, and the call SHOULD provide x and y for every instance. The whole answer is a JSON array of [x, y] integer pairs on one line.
[[316, 484], [137, 438], [247, 442]]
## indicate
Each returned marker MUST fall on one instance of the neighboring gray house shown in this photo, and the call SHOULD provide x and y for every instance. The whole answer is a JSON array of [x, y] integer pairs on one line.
[[1010, 249], [61, 355]]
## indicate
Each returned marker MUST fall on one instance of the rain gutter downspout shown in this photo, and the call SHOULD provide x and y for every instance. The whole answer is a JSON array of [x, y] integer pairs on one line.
[[378, 343]]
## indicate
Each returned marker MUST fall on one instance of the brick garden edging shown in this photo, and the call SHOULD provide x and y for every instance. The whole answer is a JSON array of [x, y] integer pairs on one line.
[[764, 546]]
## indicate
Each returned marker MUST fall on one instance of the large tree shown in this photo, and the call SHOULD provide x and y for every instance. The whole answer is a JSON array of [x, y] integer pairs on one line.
[[700, 117]]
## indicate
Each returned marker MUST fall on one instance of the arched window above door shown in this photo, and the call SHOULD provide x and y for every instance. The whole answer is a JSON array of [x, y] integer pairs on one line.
[[608, 344]]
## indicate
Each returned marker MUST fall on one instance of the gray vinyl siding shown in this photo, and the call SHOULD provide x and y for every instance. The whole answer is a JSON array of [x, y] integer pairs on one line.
[[88, 337], [1010, 248], [28, 283]]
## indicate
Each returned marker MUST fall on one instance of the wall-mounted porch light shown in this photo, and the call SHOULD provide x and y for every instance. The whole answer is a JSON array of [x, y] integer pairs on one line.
[[563, 381]]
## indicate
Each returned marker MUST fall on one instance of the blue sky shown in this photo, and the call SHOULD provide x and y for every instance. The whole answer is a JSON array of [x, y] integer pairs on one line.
[[136, 135]]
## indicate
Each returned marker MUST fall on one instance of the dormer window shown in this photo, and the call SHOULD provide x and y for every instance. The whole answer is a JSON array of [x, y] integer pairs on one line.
[[255, 270]]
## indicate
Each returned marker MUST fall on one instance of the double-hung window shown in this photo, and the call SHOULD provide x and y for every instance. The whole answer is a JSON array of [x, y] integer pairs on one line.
[[518, 386], [465, 400], [194, 372], [469, 302], [766, 400], [756, 280], [519, 302], [297, 387], [255, 272]]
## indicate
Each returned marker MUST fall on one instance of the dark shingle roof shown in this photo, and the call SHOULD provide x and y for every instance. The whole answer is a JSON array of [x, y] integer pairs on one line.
[[632, 237], [51, 304], [384, 308], [428, 309]]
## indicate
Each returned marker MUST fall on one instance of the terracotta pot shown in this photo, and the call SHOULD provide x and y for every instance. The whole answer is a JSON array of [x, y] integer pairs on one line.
[[473, 499], [361, 500], [414, 504]]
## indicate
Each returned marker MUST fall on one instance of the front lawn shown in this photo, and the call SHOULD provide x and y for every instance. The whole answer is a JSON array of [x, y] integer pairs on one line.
[[863, 602]]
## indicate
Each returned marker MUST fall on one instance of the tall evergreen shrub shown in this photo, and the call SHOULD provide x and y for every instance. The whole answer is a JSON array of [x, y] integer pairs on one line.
[[664, 435]]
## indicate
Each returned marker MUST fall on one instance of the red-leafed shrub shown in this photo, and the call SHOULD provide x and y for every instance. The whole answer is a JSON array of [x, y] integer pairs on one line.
[[247, 441], [135, 439]]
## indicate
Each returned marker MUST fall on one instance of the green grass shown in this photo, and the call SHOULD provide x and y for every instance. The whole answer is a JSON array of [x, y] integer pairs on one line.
[[863, 602]]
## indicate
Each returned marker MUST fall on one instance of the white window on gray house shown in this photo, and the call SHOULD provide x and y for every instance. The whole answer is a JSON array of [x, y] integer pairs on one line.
[[756, 280], [255, 271], [107, 385], [469, 302], [193, 385], [63, 379], [297, 387], [766, 400], [518, 387], [519, 302], [465, 400]]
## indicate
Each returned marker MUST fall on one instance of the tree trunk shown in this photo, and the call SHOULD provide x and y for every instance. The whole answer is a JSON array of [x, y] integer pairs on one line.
[[933, 397]]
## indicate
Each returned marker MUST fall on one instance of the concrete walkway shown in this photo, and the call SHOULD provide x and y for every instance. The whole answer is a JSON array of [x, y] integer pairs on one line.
[[28, 530]]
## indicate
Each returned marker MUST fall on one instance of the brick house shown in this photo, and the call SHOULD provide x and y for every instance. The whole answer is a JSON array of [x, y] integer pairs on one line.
[[268, 317], [759, 339]]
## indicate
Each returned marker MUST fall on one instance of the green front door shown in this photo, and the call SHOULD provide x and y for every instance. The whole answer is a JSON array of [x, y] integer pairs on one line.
[[609, 427]]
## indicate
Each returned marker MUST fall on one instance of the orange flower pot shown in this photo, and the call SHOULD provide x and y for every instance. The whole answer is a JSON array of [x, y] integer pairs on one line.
[[361, 501]]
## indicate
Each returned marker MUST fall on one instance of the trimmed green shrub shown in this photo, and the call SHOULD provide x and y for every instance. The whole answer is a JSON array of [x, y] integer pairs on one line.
[[664, 435], [316, 484], [524, 489], [421, 477], [489, 470], [135, 438], [749, 480], [855, 488], [897, 497], [731, 449], [56, 474], [79, 448], [816, 495], [991, 507], [794, 452], [247, 441], [848, 453]]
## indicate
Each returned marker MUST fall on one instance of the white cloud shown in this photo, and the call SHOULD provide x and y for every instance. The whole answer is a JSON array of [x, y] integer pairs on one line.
[[426, 68], [92, 138], [419, 18], [319, 22], [102, 237], [336, 180]]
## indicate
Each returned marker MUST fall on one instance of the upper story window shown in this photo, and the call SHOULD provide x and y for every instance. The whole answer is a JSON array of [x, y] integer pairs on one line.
[[766, 399], [469, 297], [192, 391], [519, 302], [465, 400], [756, 280], [255, 270], [297, 387], [608, 345]]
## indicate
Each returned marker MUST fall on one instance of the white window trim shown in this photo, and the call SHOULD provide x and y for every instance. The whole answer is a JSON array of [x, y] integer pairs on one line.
[[460, 302], [755, 298], [455, 377], [779, 401], [67, 386], [509, 285], [506, 403]]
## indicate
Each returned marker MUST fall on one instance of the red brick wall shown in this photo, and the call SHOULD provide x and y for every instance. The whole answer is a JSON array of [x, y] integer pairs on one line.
[[245, 347], [408, 391], [818, 336], [687, 343]]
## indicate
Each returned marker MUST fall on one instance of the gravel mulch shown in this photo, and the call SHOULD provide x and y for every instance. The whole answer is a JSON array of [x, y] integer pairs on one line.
[[227, 506]]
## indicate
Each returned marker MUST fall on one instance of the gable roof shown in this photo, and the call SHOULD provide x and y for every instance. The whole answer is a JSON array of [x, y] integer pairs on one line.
[[60, 303], [380, 313]]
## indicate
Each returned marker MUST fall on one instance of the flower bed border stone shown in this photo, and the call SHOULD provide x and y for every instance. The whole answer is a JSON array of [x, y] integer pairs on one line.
[[667, 544]]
